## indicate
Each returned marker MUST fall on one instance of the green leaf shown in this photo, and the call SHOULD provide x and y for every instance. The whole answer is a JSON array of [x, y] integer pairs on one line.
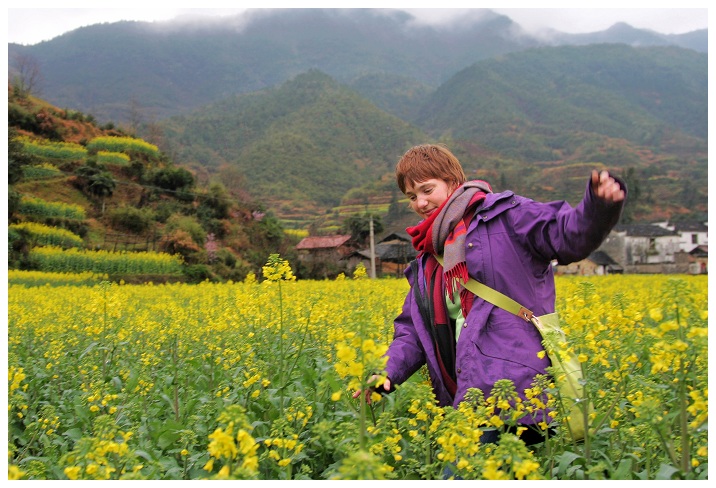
[[624, 471], [666, 472], [74, 434]]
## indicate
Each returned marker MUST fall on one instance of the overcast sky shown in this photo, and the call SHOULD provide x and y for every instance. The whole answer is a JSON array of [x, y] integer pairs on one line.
[[36, 24]]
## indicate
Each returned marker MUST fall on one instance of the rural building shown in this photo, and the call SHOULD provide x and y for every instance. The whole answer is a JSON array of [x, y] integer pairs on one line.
[[598, 263], [629, 248], [696, 261], [692, 234], [392, 254], [325, 248], [644, 248]]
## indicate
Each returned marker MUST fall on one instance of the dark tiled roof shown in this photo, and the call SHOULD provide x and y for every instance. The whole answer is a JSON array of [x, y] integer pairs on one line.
[[397, 236], [700, 251], [601, 258], [323, 242], [393, 253], [689, 226], [644, 230], [402, 252]]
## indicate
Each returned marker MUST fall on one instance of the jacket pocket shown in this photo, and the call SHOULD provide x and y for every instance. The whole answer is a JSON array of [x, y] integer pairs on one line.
[[507, 349]]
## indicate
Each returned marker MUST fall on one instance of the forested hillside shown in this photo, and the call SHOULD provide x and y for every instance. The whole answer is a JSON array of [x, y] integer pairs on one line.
[[538, 119], [536, 122], [97, 202], [305, 144]]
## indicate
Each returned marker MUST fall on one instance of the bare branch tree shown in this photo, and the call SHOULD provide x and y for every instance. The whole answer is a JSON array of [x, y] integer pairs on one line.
[[26, 75]]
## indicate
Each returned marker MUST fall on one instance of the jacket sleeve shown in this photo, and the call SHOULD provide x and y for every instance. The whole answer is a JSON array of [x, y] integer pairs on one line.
[[405, 353], [558, 231]]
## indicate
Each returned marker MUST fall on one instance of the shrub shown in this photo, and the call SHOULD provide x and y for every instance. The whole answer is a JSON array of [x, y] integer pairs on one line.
[[172, 179], [189, 225], [132, 219], [197, 273]]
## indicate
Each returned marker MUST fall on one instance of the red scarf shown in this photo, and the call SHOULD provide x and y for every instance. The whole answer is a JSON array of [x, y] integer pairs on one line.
[[448, 238]]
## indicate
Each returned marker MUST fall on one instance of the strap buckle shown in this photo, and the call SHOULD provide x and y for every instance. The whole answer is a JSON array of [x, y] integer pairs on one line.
[[526, 314]]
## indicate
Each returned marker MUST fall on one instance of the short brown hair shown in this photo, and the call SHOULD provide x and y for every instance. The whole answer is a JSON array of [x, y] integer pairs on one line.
[[427, 161]]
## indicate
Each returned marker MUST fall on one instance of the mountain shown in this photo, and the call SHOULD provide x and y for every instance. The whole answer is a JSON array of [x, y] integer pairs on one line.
[[312, 107], [610, 89], [622, 33], [123, 70], [310, 140], [535, 121]]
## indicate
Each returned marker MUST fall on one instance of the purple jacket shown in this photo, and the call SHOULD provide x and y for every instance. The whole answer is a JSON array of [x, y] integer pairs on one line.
[[510, 245]]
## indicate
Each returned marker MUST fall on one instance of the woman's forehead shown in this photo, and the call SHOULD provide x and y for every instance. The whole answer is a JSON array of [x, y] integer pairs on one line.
[[411, 186]]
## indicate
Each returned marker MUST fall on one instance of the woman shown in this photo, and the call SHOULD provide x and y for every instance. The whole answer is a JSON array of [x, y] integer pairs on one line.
[[503, 240]]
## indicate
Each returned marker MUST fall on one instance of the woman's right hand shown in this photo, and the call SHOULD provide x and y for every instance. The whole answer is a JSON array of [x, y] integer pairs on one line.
[[369, 392]]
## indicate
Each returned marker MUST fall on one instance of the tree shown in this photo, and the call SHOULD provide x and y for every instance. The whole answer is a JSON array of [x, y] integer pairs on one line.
[[134, 114], [17, 158], [235, 182], [96, 181], [216, 203], [26, 73], [173, 179], [634, 198], [359, 226]]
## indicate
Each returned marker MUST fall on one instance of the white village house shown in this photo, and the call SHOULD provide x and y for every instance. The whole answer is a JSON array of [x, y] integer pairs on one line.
[[692, 234], [652, 248]]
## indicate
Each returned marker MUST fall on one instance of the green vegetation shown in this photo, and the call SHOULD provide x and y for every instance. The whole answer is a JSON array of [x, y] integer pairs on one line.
[[310, 139], [111, 157], [53, 259], [42, 278], [55, 150], [535, 122], [40, 171], [117, 206]]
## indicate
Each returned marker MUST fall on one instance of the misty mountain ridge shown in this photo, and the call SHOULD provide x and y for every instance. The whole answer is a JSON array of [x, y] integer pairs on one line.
[[167, 68]]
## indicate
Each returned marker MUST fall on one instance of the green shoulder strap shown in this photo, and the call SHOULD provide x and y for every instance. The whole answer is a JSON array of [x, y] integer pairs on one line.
[[495, 297]]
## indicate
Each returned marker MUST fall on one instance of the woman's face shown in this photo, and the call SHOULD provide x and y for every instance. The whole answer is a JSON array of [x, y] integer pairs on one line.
[[426, 196]]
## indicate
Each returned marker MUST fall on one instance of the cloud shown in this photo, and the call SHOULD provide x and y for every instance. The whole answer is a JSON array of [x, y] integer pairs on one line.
[[34, 25]]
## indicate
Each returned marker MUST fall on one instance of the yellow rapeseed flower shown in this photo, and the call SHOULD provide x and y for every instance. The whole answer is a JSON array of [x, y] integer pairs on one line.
[[14, 473], [222, 444]]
